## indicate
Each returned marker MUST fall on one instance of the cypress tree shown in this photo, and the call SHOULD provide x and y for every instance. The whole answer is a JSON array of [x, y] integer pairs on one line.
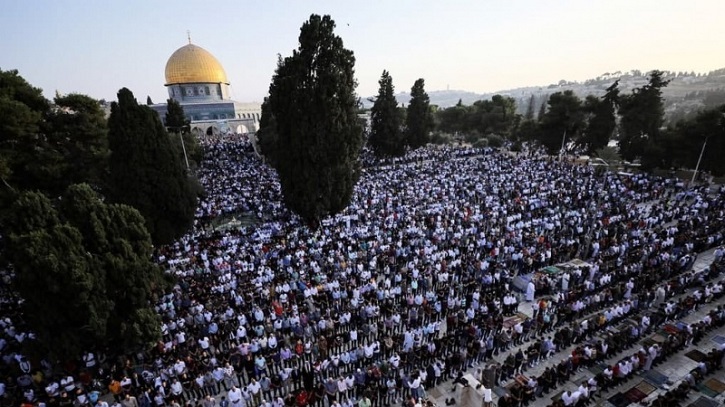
[[310, 118], [419, 120], [146, 171], [386, 138]]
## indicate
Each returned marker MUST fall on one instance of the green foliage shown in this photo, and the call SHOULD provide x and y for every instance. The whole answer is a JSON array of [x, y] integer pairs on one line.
[[386, 136], [147, 172], [267, 134], [689, 137], [85, 272], [542, 108], [439, 138], [495, 140], [77, 129], [642, 117], [530, 108], [453, 119], [472, 136], [495, 116], [480, 143], [527, 130], [179, 127], [21, 111], [175, 119], [47, 148], [312, 115], [565, 114], [608, 154], [602, 119], [419, 118]]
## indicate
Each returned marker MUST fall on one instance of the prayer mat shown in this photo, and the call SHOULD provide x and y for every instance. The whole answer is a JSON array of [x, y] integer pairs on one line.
[[671, 329], [704, 402], [646, 387], [511, 321], [715, 385], [434, 393], [655, 377], [702, 388], [647, 342], [658, 338], [719, 339], [619, 400], [634, 395], [499, 391], [596, 369], [557, 396], [696, 355]]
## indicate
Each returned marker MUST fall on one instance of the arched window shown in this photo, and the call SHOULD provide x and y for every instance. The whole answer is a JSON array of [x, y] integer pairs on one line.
[[206, 88]]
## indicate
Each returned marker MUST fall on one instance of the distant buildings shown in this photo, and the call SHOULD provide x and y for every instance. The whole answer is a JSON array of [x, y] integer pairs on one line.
[[196, 79]]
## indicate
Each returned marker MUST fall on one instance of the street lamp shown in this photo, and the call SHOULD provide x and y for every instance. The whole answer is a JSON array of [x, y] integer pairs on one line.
[[563, 141], [697, 167]]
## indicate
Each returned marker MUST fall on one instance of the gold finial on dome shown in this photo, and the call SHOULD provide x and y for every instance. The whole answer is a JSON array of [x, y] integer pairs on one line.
[[193, 64], [188, 35]]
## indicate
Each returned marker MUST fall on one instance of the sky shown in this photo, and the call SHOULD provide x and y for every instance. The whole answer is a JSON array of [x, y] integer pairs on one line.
[[97, 47]]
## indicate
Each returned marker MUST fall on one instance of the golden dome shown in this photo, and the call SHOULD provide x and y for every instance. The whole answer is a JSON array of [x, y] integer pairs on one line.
[[193, 64]]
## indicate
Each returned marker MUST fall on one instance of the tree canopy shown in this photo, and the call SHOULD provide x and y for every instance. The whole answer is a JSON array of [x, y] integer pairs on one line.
[[564, 115], [642, 117], [419, 119], [310, 129], [45, 146], [602, 120], [386, 135], [179, 127], [147, 172], [84, 269], [495, 116]]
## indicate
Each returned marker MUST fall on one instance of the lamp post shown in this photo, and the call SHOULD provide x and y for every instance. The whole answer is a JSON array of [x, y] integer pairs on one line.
[[697, 167], [561, 150], [183, 147]]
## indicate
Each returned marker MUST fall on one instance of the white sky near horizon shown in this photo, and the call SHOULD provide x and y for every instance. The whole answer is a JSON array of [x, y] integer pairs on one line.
[[98, 47]]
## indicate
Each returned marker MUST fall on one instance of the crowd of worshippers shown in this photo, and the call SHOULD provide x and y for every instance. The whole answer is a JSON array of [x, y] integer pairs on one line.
[[407, 288], [593, 341]]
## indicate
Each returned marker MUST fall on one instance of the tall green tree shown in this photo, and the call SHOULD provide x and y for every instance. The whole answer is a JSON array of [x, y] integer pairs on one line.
[[48, 147], [708, 129], [77, 129], [564, 115], [318, 135], [602, 119], [179, 126], [530, 109], [453, 119], [419, 118], [267, 134], [22, 108], [642, 115], [175, 118], [386, 136], [542, 108], [147, 172], [85, 273]]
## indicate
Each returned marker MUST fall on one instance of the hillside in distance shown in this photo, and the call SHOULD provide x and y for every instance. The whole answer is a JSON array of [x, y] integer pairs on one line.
[[686, 94]]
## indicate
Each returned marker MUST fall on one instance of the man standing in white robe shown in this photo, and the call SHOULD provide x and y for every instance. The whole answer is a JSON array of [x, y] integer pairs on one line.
[[530, 291]]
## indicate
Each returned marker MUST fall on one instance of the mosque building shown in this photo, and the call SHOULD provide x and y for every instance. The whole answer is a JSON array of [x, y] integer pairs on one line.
[[196, 79]]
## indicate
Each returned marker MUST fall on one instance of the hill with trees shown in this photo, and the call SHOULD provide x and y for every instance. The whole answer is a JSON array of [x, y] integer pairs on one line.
[[686, 94]]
